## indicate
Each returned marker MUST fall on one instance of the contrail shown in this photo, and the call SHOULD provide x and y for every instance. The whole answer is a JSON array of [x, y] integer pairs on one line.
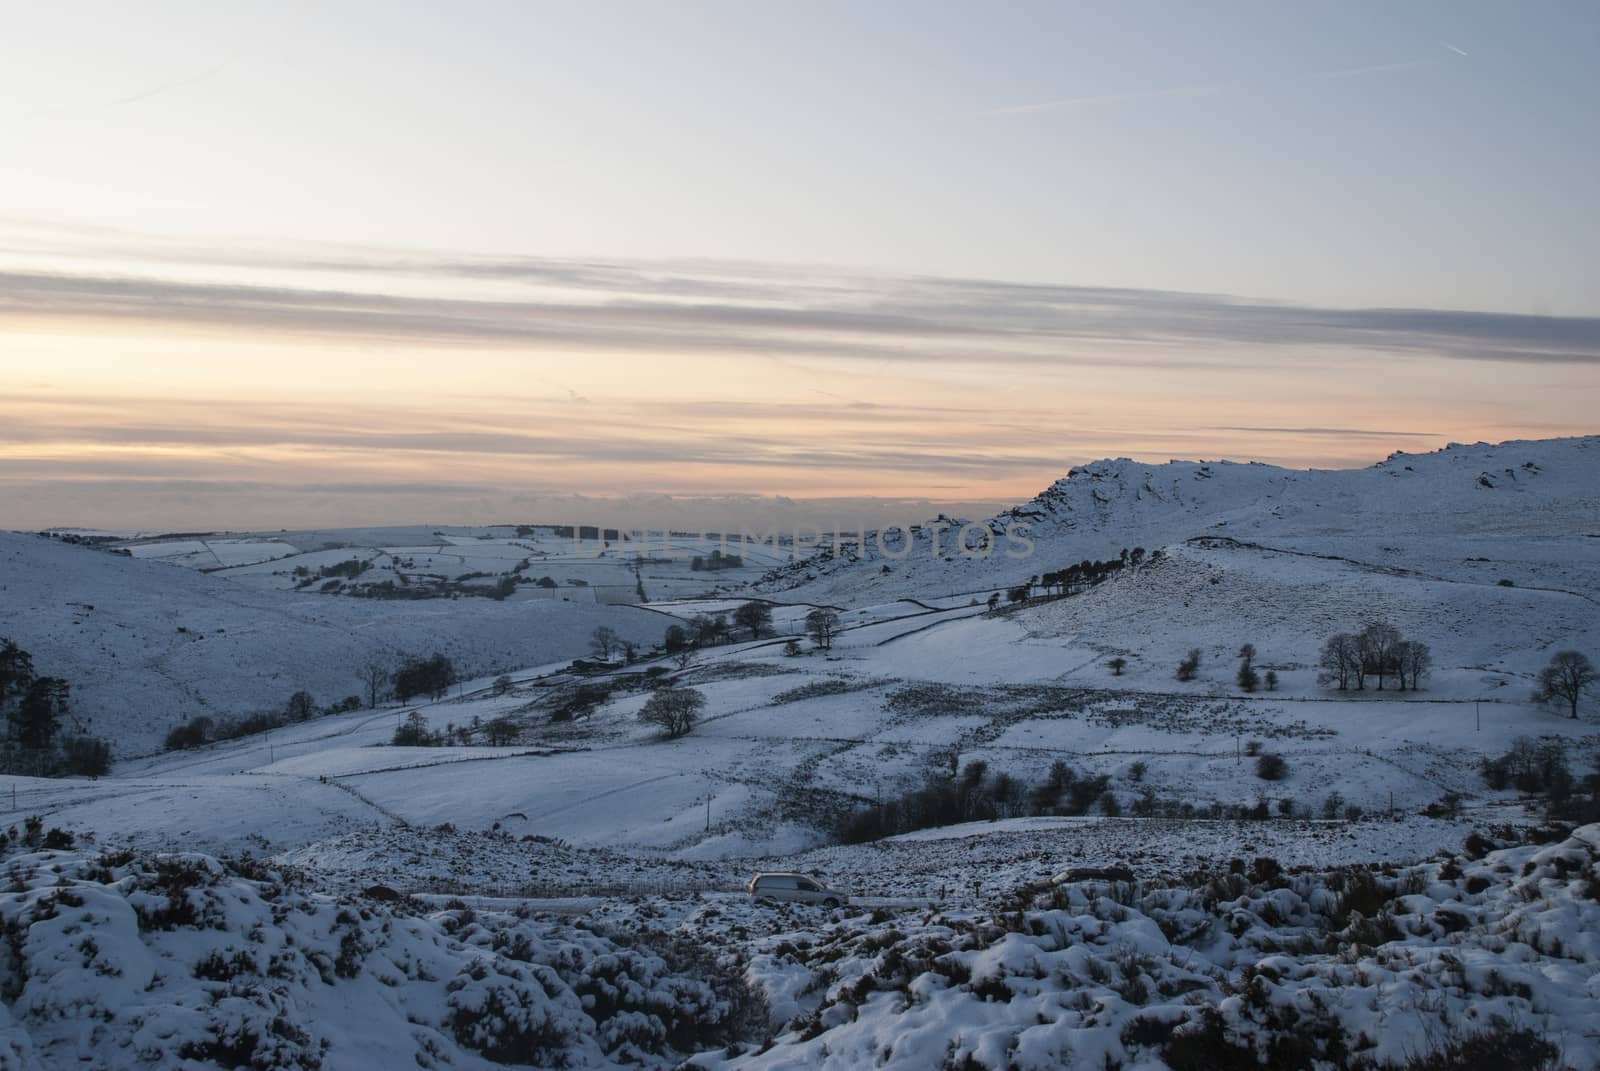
[[1105, 98], [1453, 48], [164, 87], [1352, 72]]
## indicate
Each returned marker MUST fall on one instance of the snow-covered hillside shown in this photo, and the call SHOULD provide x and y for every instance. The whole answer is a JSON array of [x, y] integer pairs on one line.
[[147, 645], [1527, 511]]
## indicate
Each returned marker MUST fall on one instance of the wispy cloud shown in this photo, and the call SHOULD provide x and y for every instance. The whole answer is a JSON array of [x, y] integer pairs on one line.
[[882, 318], [1336, 433]]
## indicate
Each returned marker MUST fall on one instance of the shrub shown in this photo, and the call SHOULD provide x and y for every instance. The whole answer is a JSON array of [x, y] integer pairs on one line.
[[1248, 679], [1492, 1050], [192, 733], [88, 756], [1190, 666], [414, 732], [1272, 767]]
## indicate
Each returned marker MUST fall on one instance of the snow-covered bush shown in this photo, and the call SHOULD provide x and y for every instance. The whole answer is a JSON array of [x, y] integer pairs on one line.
[[1456, 963], [135, 960]]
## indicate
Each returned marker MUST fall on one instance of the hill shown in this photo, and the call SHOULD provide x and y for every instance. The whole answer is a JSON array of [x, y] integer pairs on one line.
[[1525, 511], [146, 645]]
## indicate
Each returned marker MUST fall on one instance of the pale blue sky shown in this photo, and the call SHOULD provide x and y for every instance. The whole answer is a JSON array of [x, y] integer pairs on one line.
[[1336, 153]]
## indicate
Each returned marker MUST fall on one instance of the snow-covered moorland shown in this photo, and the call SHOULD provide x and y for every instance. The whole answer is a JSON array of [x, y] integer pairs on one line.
[[127, 959], [1291, 874]]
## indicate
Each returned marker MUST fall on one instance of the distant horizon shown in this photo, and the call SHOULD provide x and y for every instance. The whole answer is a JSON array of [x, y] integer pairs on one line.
[[658, 511]]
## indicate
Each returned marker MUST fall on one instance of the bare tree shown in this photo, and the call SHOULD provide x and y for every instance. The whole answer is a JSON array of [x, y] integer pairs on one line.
[[1377, 643], [1413, 660], [1565, 678], [821, 624], [301, 707], [674, 710], [707, 630], [755, 616], [375, 678], [603, 641], [1117, 664], [1341, 660]]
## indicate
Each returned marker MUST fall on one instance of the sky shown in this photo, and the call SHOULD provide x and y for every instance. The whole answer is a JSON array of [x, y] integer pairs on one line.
[[279, 265]]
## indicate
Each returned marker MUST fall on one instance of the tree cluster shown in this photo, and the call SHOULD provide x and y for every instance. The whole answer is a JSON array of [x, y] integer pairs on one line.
[[1540, 768], [973, 793], [822, 624], [753, 618], [1378, 652], [430, 676], [1085, 574], [34, 707]]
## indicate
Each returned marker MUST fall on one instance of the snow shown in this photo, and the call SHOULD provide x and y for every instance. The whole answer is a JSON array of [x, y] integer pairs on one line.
[[540, 866], [147, 646]]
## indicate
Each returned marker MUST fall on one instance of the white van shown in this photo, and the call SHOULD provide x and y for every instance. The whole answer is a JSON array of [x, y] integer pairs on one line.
[[795, 887]]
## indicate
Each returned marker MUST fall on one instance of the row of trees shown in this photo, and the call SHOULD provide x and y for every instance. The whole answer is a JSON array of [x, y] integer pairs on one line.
[[203, 729], [1378, 651], [1085, 574], [1381, 654], [753, 619], [1073, 578], [948, 795]]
